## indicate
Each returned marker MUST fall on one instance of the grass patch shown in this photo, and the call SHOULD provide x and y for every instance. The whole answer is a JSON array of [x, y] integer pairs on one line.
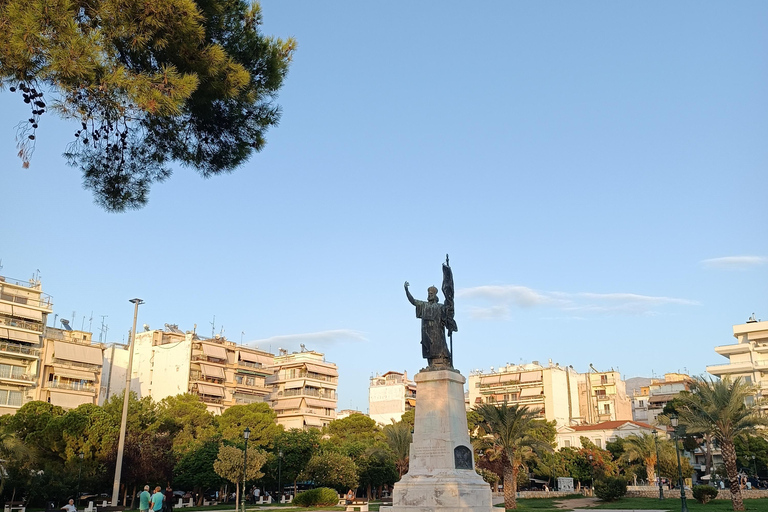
[[670, 504]]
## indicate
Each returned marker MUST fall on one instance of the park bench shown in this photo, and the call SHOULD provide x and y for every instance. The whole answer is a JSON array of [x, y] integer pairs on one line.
[[111, 509], [90, 507], [11, 506], [360, 505]]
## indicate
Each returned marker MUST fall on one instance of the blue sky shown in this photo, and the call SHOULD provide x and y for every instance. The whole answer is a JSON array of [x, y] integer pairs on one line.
[[595, 171]]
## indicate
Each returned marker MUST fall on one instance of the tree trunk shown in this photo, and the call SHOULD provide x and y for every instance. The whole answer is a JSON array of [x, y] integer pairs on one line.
[[237, 495], [510, 487], [133, 495], [650, 472], [708, 462], [729, 459]]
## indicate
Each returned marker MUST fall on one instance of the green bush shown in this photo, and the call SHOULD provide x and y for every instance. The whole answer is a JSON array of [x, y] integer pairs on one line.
[[320, 497], [704, 493], [611, 488]]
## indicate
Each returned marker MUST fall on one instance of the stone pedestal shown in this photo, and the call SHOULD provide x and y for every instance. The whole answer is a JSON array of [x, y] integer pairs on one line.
[[441, 475]]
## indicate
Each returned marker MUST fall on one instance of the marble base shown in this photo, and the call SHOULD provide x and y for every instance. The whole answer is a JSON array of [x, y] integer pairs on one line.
[[441, 475]]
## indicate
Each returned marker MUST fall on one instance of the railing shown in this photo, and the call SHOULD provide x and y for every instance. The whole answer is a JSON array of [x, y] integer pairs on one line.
[[210, 399], [307, 392], [16, 348], [196, 375], [22, 324], [75, 386], [319, 376], [44, 301], [207, 359], [76, 364], [22, 376], [249, 364]]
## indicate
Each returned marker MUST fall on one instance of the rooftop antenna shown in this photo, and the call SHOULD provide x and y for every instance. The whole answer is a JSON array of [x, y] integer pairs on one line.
[[102, 331], [213, 327], [242, 333], [1, 264], [221, 332], [82, 325], [90, 323]]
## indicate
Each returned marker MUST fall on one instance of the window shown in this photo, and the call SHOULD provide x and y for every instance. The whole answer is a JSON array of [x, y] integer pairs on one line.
[[477, 385], [10, 397], [13, 372], [566, 443], [603, 379], [599, 392], [238, 379], [606, 408], [249, 381], [598, 441]]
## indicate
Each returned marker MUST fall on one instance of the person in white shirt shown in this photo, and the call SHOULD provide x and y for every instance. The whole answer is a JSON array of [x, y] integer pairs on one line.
[[70, 507]]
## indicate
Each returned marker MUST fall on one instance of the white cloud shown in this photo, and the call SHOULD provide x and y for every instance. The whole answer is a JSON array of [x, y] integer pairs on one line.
[[735, 262], [502, 298], [312, 339]]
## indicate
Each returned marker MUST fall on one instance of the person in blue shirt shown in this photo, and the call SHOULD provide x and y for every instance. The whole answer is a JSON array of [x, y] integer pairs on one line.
[[157, 500], [144, 498]]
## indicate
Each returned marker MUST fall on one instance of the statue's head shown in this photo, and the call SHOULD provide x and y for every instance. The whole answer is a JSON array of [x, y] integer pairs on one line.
[[432, 294]]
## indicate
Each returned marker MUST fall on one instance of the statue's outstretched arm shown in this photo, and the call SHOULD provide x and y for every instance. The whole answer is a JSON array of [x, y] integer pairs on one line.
[[408, 294]]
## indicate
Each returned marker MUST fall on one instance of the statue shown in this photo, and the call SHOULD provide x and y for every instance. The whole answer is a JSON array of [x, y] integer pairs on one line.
[[436, 318]]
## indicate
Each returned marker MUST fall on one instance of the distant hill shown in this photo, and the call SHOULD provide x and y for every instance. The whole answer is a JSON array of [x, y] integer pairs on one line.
[[635, 383]]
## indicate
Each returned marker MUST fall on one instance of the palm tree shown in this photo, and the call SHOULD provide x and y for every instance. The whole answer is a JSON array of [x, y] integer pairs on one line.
[[725, 410], [399, 438], [511, 430], [642, 448]]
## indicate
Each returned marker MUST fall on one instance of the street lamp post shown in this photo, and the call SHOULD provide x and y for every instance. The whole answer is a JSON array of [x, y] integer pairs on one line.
[[754, 463], [280, 473], [79, 474], [675, 421], [246, 435], [124, 419], [658, 470], [592, 473]]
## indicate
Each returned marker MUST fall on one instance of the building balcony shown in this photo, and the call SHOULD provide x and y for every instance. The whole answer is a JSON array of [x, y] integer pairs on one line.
[[24, 379], [726, 369], [9, 292], [65, 363], [72, 386], [727, 350], [19, 350]]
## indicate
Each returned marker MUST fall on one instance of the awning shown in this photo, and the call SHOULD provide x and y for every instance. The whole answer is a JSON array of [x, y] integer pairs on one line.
[[313, 422], [255, 358], [292, 403], [322, 370], [75, 374], [479, 400], [530, 376], [31, 314], [208, 389], [510, 377], [489, 381], [534, 407], [13, 334], [78, 353], [209, 370], [313, 402], [216, 351], [297, 384], [69, 401], [530, 392]]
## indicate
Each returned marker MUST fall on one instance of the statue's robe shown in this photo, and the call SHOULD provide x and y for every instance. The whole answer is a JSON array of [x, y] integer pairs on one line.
[[433, 321]]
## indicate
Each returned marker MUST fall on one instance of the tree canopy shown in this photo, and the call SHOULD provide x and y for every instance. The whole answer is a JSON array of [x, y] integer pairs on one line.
[[146, 83]]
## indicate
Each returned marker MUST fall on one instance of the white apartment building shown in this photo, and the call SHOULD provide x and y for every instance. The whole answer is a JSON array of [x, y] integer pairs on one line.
[[601, 433], [390, 396], [748, 357], [24, 310], [649, 402], [553, 390], [171, 362], [304, 389]]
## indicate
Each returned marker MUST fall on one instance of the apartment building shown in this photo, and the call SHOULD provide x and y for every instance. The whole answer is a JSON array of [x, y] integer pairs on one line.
[[603, 397], [649, 401], [304, 389], [24, 310], [551, 390], [748, 357], [71, 368], [390, 396], [170, 362]]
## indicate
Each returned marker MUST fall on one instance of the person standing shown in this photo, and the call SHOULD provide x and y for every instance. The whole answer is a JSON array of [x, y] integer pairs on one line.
[[144, 499], [70, 507], [168, 503], [157, 500]]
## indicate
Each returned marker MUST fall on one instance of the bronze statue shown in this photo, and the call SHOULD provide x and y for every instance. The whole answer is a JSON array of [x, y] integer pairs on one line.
[[436, 318]]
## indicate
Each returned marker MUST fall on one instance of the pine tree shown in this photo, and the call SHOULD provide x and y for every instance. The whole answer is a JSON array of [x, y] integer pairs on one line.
[[148, 82]]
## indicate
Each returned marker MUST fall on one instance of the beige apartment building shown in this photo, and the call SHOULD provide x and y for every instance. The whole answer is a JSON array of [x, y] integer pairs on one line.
[[304, 389], [649, 401], [602, 433], [603, 397], [71, 368], [24, 310], [171, 362], [390, 396], [748, 357], [551, 390]]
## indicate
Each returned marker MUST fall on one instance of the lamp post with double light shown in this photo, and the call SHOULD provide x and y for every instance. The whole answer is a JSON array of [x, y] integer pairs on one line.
[[591, 473], [658, 470], [246, 435], [280, 474], [673, 419], [79, 475]]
